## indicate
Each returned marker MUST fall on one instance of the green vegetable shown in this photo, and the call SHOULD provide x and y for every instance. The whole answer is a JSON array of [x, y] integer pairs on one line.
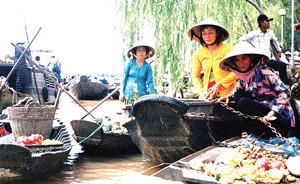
[[99, 121]]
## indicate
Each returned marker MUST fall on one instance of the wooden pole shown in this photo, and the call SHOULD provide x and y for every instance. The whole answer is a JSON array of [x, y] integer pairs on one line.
[[57, 98], [42, 70], [101, 102], [15, 65]]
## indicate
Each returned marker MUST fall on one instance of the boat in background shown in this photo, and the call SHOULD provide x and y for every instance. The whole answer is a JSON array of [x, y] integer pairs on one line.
[[87, 90], [110, 139], [46, 89], [168, 129]]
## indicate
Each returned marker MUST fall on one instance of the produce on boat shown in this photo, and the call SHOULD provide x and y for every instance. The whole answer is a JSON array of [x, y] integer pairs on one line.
[[236, 162]]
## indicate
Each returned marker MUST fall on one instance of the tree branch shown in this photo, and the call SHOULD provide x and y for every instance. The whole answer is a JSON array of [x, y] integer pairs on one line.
[[256, 6]]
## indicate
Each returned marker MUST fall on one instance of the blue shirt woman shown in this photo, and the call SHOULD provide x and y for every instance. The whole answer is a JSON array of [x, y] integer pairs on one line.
[[137, 73]]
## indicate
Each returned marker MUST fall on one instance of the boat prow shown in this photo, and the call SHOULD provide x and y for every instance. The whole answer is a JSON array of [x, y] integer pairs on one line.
[[168, 129]]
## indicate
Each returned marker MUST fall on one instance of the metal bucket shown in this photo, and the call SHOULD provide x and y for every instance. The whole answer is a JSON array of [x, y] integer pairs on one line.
[[31, 120]]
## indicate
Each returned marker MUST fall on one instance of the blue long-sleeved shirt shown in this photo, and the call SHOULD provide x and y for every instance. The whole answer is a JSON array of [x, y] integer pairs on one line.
[[142, 76]]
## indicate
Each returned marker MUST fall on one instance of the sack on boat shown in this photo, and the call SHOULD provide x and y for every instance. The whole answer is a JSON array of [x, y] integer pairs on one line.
[[274, 144]]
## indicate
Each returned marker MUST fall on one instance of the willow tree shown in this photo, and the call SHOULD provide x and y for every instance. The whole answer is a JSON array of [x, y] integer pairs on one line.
[[166, 22]]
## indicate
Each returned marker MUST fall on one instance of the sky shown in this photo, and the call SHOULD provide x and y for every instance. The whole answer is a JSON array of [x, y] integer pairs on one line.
[[83, 35]]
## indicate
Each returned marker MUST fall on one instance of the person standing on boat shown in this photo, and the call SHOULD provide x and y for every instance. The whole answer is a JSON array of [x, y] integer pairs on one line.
[[259, 91], [137, 74], [56, 68], [215, 81], [261, 39], [22, 70]]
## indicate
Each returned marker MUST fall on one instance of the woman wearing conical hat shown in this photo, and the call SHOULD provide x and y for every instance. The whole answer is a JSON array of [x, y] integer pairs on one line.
[[215, 81], [138, 77], [259, 90]]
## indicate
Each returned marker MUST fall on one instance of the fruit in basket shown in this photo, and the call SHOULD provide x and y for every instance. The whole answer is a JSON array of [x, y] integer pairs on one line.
[[263, 163], [277, 165]]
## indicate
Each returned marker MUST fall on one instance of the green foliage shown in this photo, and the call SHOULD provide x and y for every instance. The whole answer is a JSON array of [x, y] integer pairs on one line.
[[99, 121], [166, 23]]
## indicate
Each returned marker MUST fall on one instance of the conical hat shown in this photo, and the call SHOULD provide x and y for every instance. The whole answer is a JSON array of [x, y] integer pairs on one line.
[[242, 48], [196, 30], [141, 44]]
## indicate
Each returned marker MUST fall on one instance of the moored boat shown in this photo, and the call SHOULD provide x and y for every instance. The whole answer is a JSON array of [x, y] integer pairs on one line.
[[104, 141], [167, 129], [39, 87], [87, 90], [23, 161]]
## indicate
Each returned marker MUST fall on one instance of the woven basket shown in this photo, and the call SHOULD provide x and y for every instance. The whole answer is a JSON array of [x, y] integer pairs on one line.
[[31, 120]]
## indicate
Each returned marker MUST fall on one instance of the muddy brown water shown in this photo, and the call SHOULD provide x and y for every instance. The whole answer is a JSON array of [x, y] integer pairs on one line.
[[84, 166]]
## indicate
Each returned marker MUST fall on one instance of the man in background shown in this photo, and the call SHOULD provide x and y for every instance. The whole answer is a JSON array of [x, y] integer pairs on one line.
[[56, 68], [261, 39]]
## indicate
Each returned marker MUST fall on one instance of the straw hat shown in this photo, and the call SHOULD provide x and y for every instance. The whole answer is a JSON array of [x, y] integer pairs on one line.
[[288, 53], [132, 54], [195, 30], [241, 48]]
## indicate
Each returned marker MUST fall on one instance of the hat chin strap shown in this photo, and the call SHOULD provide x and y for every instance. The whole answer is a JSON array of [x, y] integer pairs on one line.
[[132, 54]]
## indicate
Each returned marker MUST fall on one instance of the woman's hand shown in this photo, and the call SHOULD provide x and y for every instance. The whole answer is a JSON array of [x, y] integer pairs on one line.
[[213, 92], [226, 99], [269, 117], [122, 97]]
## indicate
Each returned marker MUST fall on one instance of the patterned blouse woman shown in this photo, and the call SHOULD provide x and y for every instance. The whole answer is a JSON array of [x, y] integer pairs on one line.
[[215, 81], [138, 75], [259, 90]]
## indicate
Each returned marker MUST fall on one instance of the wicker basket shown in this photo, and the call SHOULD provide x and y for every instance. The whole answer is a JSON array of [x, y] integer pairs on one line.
[[31, 120]]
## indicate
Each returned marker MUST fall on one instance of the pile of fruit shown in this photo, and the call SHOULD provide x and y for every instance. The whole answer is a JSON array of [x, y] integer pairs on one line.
[[34, 139], [251, 165]]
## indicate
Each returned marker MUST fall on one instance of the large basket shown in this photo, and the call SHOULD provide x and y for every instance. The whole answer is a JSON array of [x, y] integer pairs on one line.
[[31, 120]]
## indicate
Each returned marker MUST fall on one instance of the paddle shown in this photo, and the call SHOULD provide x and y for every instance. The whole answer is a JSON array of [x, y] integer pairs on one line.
[[101, 102]]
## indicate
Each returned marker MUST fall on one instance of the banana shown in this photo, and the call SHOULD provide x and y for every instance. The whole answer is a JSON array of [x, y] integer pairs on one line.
[[251, 161]]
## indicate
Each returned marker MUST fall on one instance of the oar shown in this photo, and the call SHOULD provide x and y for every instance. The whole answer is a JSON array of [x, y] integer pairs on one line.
[[42, 70], [15, 65], [104, 99]]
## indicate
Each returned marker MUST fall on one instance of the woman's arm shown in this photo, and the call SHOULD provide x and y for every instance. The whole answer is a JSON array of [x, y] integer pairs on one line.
[[196, 73], [150, 81]]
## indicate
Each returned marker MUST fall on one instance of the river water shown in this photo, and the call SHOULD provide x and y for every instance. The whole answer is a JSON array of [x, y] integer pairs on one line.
[[88, 167]]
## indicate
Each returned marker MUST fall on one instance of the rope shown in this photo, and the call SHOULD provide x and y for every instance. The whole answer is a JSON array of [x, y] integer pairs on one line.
[[95, 131]]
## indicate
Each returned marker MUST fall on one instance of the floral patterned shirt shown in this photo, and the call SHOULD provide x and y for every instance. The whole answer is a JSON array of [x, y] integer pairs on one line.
[[267, 89]]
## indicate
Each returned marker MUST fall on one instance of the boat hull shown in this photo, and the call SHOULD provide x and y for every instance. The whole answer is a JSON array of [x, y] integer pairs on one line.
[[25, 161], [86, 90], [167, 129]]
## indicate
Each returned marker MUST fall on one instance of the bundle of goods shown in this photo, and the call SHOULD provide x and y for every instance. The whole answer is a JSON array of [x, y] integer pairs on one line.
[[34, 140], [249, 164]]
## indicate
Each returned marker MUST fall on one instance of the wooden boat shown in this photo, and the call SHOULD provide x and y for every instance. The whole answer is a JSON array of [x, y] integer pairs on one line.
[[47, 90], [167, 129], [17, 161], [87, 90], [114, 142], [181, 171]]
